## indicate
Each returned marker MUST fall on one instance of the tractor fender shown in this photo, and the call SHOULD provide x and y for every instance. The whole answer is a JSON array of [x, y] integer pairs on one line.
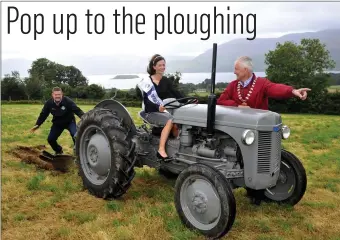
[[119, 109]]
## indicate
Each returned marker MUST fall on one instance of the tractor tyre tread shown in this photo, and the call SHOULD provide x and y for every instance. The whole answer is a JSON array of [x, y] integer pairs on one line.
[[122, 148]]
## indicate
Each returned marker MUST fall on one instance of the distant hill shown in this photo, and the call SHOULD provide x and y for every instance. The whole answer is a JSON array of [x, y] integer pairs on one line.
[[227, 53]]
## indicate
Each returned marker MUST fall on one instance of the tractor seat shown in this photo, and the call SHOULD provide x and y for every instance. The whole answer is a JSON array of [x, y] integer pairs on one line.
[[142, 115]]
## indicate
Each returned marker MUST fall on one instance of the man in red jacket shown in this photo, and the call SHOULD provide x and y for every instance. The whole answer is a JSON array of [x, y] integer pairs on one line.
[[249, 91]]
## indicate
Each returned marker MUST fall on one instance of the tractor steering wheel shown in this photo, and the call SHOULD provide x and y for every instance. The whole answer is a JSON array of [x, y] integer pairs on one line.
[[190, 101]]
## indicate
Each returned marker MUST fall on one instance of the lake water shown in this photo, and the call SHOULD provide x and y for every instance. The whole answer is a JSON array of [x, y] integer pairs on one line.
[[107, 82]]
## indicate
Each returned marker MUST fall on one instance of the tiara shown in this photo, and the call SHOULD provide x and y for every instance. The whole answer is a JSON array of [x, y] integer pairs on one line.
[[153, 62]]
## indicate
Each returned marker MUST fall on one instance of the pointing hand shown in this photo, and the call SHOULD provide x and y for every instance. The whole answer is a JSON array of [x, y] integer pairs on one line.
[[301, 93]]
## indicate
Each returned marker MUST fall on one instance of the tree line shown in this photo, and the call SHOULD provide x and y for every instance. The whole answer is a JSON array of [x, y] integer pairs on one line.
[[43, 76]]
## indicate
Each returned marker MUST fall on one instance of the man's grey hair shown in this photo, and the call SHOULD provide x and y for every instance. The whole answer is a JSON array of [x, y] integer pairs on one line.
[[247, 62]]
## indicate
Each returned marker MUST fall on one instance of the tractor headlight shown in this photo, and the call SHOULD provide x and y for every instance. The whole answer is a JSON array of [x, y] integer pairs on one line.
[[248, 137], [285, 132]]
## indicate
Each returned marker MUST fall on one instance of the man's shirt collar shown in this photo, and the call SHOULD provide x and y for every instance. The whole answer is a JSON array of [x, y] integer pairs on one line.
[[246, 83]]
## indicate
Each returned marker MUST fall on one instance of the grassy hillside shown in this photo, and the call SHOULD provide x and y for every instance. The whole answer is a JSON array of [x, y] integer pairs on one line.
[[42, 204]]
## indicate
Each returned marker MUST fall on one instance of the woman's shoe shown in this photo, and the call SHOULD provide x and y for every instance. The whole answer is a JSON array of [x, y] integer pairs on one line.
[[165, 159]]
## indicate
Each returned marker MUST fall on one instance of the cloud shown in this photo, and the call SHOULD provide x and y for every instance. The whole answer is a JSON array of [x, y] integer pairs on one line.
[[300, 16], [272, 19]]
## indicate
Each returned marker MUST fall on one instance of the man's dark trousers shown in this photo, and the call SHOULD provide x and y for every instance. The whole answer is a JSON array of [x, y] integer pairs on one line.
[[56, 131]]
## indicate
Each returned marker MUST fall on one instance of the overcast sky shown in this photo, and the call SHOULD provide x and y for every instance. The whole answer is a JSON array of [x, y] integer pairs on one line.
[[272, 20]]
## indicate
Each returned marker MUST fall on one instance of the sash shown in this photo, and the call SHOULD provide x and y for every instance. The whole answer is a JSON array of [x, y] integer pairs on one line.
[[147, 86]]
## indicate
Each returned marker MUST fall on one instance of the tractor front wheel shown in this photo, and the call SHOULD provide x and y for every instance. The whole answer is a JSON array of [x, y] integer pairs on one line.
[[204, 201], [292, 182], [105, 154]]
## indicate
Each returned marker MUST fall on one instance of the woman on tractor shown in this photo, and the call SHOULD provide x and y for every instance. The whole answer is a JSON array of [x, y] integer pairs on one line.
[[156, 88]]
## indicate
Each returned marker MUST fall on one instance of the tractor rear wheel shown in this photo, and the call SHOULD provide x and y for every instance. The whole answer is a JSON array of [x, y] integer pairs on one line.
[[204, 200], [105, 154]]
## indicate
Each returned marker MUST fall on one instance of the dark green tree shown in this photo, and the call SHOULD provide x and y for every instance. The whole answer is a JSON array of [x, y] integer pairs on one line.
[[74, 77], [12, 87], [175, 78], [53, 74], [300, 65], [45, 70], [33, 88], [95, 91]]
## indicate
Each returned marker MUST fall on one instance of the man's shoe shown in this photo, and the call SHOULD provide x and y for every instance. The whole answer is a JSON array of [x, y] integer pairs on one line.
[[59, 153]]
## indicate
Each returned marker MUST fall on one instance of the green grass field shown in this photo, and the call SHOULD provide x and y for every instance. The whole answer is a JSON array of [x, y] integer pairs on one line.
[[42, 204], [334, 88]]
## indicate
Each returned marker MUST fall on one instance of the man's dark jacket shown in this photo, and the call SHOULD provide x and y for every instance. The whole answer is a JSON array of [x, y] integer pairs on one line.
[[63, 114]]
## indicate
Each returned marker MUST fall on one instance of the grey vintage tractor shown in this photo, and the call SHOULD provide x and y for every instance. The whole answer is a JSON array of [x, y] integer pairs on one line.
[[218, 149]]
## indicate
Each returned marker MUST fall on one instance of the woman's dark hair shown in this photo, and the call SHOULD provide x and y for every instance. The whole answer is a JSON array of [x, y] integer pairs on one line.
[[153, 61]]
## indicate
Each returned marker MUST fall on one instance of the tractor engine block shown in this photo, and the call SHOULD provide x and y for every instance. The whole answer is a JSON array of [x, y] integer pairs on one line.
[[202, 150], [194, 141], [226, 150]]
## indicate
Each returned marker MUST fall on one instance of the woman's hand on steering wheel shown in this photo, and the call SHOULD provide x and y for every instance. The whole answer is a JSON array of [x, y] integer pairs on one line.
[[190, 100]]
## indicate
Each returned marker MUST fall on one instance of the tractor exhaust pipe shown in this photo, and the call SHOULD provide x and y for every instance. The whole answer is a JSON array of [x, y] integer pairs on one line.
[[212, 97]]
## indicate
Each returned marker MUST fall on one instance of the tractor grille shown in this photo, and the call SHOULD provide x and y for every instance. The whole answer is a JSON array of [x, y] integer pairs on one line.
[[264, 150], [269, 146], [276, 149]]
